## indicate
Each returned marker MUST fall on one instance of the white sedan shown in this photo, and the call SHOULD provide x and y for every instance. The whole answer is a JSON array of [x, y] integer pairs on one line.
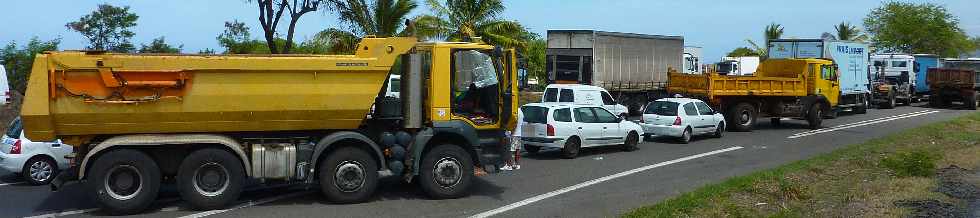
[[572, 127], [681, 118], [37, 162]]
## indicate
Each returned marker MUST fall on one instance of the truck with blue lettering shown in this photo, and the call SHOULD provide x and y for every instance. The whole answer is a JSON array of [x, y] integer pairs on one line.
[[850, 57]]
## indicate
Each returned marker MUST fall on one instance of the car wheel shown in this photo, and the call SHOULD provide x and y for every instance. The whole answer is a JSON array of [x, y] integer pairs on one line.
[[685, 136], [571, 148], [815, 116], [719, 130], [348, 175], [124, 181], [531, 149], [39, 170], [632, 142], [446, 172], [210, 179]]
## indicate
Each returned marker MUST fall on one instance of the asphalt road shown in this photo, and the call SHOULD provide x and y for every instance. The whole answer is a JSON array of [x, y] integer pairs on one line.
[[601, 182]]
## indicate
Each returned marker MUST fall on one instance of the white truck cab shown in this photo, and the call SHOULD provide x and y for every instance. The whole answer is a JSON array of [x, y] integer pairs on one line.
[[583, 95]]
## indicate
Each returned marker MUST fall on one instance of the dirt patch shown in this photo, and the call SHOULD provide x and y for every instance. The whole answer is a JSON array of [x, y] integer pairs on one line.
[[956, 182], [931, 208]]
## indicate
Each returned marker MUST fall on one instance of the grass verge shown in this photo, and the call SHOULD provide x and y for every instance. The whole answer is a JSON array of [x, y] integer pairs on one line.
[[862, 180]]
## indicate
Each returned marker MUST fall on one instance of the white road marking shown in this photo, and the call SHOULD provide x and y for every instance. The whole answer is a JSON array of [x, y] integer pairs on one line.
[[64, 213], [596, 181], [862, 123], [247, 204], [13, 183]]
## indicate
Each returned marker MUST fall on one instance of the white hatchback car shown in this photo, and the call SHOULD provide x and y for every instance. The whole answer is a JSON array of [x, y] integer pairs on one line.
[[37, 162], [681, 118], [572, 127]]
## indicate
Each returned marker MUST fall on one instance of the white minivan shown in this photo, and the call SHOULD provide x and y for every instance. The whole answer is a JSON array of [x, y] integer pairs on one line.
[[583, 94]]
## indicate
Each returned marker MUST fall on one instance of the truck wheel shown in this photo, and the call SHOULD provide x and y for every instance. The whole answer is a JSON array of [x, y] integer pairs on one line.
[[446, 172], [814, 117], [210, 178], [890, 102], [632, 140], [348, 175], [571, 148], [970, 101], [743, 117], [124, 181], [39, 170]]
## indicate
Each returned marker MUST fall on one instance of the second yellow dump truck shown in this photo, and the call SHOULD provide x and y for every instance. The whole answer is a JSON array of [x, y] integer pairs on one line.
[[208, 123], [792, 88]]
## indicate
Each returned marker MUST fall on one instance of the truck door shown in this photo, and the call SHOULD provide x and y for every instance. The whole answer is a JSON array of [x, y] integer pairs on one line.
[[826, 82]]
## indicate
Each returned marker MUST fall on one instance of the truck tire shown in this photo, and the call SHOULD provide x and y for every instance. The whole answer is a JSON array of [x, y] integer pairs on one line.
[[348, 175], [742, 117], [970, 101], [210, 178], [446, 172], [814, 117], [124, 181], [889, 102]]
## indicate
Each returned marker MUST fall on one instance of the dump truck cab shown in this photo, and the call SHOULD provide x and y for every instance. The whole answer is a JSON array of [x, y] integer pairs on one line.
[[209, 122]]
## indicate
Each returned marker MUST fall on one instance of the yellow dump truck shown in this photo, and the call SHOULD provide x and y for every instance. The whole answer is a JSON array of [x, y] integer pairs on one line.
[[793, 88], [208, 123]]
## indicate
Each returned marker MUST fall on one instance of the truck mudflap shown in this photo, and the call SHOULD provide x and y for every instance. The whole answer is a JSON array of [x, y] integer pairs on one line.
[[65, 177]]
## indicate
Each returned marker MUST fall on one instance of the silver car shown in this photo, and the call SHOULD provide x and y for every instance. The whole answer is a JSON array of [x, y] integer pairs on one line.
[[37, 162]]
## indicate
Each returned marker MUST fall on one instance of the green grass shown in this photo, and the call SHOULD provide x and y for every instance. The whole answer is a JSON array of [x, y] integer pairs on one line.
[[857, 180]]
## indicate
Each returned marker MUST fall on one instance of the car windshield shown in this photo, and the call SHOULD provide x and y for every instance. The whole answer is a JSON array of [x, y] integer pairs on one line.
[[13, 130], [662, 108], [535, 114]]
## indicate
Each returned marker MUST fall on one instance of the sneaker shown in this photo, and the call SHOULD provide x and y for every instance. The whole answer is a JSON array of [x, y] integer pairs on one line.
[[506, 168], [517, 166]]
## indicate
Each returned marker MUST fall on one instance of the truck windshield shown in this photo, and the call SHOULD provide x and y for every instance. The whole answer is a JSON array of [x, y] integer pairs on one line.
[[535, 114], [662, 108]]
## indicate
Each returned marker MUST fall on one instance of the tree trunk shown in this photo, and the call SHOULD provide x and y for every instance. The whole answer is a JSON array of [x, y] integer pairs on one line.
[[289, 35]]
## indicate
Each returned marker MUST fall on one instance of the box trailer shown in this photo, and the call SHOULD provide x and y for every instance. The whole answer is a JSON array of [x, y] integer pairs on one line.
[[692, 60], [633, 67], [850, 57]]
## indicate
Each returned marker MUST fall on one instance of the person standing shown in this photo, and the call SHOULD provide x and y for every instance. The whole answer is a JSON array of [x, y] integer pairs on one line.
[[513, 160]]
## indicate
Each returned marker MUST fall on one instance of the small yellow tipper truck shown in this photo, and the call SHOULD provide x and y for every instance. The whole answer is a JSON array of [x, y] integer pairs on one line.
[[793, 88], [207, 123]]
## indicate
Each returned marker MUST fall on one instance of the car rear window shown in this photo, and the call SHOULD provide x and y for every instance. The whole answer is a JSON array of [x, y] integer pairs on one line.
[[566, 96], [551, 95], [563, 115], [535, 114], [662, 108], [13, 130]]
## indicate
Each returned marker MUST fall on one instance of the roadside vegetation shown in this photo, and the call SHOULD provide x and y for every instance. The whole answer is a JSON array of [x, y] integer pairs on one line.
[[929, 171]]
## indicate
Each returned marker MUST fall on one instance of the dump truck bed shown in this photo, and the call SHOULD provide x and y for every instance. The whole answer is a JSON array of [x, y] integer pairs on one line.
[[92, 93], [714, 85], [953, 78]]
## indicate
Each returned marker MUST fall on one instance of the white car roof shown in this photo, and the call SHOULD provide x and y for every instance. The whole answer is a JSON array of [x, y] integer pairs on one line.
[[679, 100], [558, 105], [574, 86]]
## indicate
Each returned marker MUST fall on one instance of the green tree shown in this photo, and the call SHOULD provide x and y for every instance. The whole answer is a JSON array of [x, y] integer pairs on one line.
[[18, 60], [236, 39], [107, 28], [459, 19], [916, 28], [772, 31], [381, 18], [270, 12], [160, 46], [742, 52], [536, 60], [846, 31], [207, 51]]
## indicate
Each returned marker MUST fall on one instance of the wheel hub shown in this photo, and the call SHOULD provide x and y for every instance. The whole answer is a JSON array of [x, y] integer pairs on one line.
[[123, 182], [349, 176], [41, 171], [211, 179], [744, 118], [447, 172]]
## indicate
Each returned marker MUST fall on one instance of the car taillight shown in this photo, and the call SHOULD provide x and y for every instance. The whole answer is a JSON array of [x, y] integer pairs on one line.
[[16, 148], [551, 130], [677, 121]]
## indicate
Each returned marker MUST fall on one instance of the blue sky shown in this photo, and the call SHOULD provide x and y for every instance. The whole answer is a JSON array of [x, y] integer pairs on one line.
[[718, 26]]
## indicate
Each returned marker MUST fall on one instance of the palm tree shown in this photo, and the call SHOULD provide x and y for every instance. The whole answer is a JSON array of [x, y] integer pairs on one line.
[[381, 18], [846, 31], [461, 19], [773, 31]]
